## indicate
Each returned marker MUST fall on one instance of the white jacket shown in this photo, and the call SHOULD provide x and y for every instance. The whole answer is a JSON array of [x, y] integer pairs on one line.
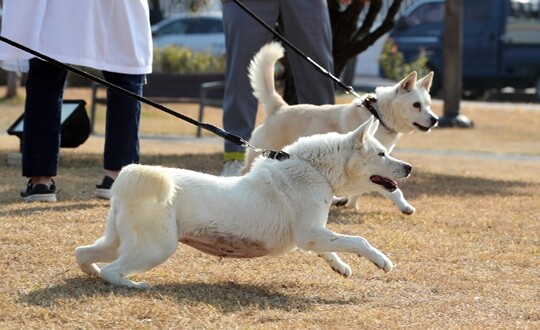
[[111, 35]]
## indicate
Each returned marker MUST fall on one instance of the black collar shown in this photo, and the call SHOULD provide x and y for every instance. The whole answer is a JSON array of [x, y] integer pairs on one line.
[[368, 104]]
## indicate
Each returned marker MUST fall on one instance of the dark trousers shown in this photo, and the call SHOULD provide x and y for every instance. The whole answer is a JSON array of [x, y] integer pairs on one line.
[[42, 127], [305, 24]]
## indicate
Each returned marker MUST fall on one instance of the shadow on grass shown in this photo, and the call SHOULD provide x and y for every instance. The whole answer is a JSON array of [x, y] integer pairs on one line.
[[430, 184], [33, 208], [210, 163], [228, 297]]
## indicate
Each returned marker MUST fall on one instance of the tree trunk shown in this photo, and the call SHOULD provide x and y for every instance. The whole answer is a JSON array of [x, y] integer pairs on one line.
[[453, 51], [13, 81]]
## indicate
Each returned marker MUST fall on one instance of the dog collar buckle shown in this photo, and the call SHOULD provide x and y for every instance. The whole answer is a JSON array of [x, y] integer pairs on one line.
[[277, 155], [368, 104]]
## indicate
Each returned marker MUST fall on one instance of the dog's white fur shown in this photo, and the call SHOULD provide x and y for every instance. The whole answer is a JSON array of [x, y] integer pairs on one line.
[[275, 208], [403, 108]]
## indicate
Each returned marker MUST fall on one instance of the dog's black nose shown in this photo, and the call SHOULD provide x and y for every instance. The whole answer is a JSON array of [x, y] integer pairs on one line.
[[408, 168], [434, 121]]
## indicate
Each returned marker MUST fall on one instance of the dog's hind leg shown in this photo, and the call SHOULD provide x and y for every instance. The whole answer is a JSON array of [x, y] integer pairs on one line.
[[321, 240], [145, 244], [336, 263], [103, 250]]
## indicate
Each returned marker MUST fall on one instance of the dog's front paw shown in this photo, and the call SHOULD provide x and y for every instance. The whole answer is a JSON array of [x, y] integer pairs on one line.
[[383, 262], [142, 285], [336, 263], [408, 209], [342, 269]]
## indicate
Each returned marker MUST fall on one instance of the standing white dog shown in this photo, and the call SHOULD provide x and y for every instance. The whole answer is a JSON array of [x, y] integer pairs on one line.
[[402, 109], [277, 207]]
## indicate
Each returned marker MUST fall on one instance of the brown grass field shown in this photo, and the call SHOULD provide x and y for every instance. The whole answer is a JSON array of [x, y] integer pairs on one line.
[[469, 258]]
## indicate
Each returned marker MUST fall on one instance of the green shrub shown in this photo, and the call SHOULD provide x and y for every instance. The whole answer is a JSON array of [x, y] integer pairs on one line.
[[394, 66], [170, 59], [173, 59]]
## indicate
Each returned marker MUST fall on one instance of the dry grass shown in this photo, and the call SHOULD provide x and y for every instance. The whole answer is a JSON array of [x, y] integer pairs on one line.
[[468, 259]]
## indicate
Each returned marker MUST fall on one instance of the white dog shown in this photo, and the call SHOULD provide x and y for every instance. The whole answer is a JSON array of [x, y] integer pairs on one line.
[[401, 109], [277, 207]]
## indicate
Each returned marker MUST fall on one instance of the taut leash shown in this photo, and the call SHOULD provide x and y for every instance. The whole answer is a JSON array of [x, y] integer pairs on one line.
[[273, 154]]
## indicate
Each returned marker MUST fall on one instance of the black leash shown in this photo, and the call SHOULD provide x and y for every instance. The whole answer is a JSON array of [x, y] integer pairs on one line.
[[347, 89], [278, 155]]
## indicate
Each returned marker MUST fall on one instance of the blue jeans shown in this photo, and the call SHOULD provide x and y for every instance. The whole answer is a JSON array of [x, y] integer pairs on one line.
[[42, 127]]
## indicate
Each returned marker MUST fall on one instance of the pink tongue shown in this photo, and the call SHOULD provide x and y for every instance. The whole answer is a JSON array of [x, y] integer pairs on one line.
[[385, 182]]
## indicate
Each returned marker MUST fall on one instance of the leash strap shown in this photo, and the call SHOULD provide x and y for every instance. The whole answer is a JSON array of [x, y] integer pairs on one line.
[[278, 155], [347, 89]]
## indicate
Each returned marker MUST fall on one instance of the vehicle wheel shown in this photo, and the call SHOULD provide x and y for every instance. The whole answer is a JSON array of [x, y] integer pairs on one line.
[[474, 94]]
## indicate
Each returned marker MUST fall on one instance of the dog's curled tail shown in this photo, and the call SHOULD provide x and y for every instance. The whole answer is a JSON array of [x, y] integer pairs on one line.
[[140, 182], [261, 76]]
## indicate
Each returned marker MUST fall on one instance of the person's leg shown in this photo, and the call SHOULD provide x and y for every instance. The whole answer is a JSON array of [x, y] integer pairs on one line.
[[42, 127], [306, 24], [121, 128], [244, 37]]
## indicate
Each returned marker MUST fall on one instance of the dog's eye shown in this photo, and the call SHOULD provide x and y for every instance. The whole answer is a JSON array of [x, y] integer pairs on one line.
[[417, 105], [381, 153]]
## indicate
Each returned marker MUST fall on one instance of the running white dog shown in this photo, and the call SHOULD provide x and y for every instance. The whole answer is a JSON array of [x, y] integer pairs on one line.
[[277, 207], [402, 109]]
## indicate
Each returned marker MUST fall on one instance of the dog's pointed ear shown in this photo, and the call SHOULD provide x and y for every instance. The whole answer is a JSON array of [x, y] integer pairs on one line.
[[426, 82], [360, 135], [407, 84]]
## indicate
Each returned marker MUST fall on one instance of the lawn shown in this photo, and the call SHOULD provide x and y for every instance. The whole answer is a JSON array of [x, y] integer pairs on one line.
[[469, 258]]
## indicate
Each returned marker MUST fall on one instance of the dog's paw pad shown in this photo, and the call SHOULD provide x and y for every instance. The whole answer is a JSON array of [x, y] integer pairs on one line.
[[388, 266]]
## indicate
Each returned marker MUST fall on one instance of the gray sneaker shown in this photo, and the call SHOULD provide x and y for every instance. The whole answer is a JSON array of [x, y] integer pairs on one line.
[[232, 168], [39, 192]]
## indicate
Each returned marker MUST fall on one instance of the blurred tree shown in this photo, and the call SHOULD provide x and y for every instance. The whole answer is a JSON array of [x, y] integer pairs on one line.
[[13, 81], [351, 39], [193, 5]]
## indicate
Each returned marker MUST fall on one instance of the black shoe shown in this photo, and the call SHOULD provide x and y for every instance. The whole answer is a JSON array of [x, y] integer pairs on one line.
[[103, 190], [39, 192]]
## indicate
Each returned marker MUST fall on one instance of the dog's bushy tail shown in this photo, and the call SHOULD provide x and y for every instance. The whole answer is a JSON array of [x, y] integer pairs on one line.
[[140, 182], [261, 76]]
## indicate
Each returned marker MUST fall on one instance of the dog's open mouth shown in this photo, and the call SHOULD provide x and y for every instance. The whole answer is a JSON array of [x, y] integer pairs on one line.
[[385, 182], [422, 128]]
